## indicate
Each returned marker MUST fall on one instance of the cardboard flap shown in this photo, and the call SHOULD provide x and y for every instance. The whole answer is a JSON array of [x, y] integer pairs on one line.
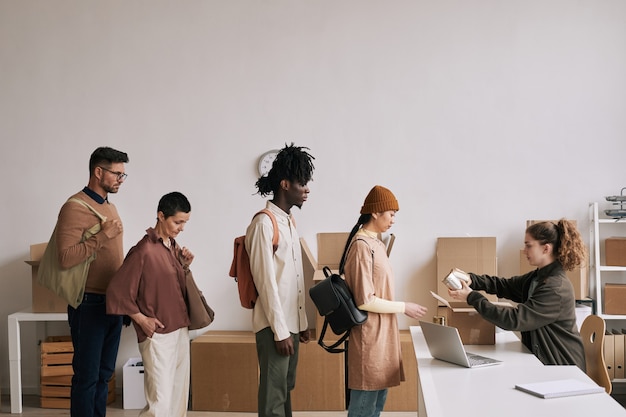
[[330, 248]]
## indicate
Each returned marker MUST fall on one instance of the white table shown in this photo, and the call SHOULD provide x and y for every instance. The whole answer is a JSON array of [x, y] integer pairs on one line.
[[15, 356], [449, 390]]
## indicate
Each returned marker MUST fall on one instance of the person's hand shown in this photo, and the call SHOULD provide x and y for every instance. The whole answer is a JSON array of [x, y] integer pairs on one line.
[[305, 336], [415, 311], [285, 347], [149, 325], [461, 294], [111, 228], [186, 256]]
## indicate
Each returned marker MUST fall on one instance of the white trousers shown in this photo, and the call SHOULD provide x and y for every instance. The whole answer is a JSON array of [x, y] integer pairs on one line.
[[166, 374]]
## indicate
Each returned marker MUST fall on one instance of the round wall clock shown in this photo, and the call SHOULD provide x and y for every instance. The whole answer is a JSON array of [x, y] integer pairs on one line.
[[265, 162]]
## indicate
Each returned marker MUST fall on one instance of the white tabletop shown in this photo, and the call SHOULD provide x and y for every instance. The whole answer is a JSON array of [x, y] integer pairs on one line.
[[449, 390]]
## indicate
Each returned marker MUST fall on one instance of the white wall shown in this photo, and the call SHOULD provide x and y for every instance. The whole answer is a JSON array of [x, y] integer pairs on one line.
[[478, 115]]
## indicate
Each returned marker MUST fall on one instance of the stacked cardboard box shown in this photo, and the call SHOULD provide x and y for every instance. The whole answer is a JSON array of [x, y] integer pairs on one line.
[[43, 300], [224, 372], [615, 298], [225, 375], [320, 380], [56, 373], [615, 251], [471, 254]]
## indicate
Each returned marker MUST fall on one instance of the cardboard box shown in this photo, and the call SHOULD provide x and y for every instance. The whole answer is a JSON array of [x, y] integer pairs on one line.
[[309, 266], [473, 329], [404, 396], [133, 384], [471, 254], [57, 353], [330, 248], [43, 300], [224, 372], [615, 251], [225, 376], [615, 298], [579, 277], [320, 380]]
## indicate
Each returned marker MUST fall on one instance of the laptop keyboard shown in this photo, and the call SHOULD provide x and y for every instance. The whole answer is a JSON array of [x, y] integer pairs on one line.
[[476, 360]]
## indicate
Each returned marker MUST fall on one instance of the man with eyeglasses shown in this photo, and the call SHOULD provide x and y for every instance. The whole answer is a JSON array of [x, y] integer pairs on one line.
[[95, 335]]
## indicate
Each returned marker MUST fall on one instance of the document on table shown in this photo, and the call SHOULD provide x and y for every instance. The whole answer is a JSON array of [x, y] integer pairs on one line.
[[560, 388]]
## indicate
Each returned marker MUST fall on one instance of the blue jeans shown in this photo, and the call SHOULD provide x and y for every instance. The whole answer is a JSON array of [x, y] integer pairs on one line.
[[96, 338], [366, 403]]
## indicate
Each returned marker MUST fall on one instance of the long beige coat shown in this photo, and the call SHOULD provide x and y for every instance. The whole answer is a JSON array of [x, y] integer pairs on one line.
[[374, 356]]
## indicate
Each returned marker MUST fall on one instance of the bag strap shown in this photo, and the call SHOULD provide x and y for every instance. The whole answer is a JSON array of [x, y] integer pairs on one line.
[[320, 340], [347, 249], [332, 348], [274, 225], [93, 210]]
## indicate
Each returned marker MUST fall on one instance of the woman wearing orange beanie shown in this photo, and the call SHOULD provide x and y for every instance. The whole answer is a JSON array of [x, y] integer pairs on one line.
[[374, 356]]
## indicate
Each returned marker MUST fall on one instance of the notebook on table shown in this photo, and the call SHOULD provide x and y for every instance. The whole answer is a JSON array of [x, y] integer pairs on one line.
[[560, 388], [444, 343]]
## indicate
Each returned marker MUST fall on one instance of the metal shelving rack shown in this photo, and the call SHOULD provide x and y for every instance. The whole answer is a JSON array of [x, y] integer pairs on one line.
[[596, 268]]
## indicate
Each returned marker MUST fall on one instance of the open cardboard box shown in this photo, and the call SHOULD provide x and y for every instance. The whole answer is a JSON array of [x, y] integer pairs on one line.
[[470, 254], [473, 328]]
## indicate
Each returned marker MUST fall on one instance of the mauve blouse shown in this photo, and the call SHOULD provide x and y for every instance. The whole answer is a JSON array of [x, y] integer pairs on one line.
[[151, 281]]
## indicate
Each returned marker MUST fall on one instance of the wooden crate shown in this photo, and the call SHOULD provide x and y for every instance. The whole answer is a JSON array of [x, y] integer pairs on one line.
[[56, 373]]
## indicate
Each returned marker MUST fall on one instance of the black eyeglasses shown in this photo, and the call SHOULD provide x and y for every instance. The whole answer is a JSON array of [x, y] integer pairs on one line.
[[121, 176]]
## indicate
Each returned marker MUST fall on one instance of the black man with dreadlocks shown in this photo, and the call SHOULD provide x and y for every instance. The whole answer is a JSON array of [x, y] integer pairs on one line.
[[279, 316]]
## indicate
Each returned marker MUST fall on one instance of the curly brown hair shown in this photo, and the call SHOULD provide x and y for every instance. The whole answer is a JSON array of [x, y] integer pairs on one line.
[[568, 247]]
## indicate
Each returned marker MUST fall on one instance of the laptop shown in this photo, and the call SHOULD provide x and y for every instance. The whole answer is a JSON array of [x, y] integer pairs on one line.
[[444, 343]]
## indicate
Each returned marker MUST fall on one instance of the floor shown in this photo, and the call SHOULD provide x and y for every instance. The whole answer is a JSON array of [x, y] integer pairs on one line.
[[31, 408]]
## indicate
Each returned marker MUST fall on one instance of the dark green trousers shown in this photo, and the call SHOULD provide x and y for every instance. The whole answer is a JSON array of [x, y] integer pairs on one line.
[[277, 375]]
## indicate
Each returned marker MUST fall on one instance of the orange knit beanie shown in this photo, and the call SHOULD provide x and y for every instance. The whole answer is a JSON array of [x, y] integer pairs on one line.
[[378, 200]]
